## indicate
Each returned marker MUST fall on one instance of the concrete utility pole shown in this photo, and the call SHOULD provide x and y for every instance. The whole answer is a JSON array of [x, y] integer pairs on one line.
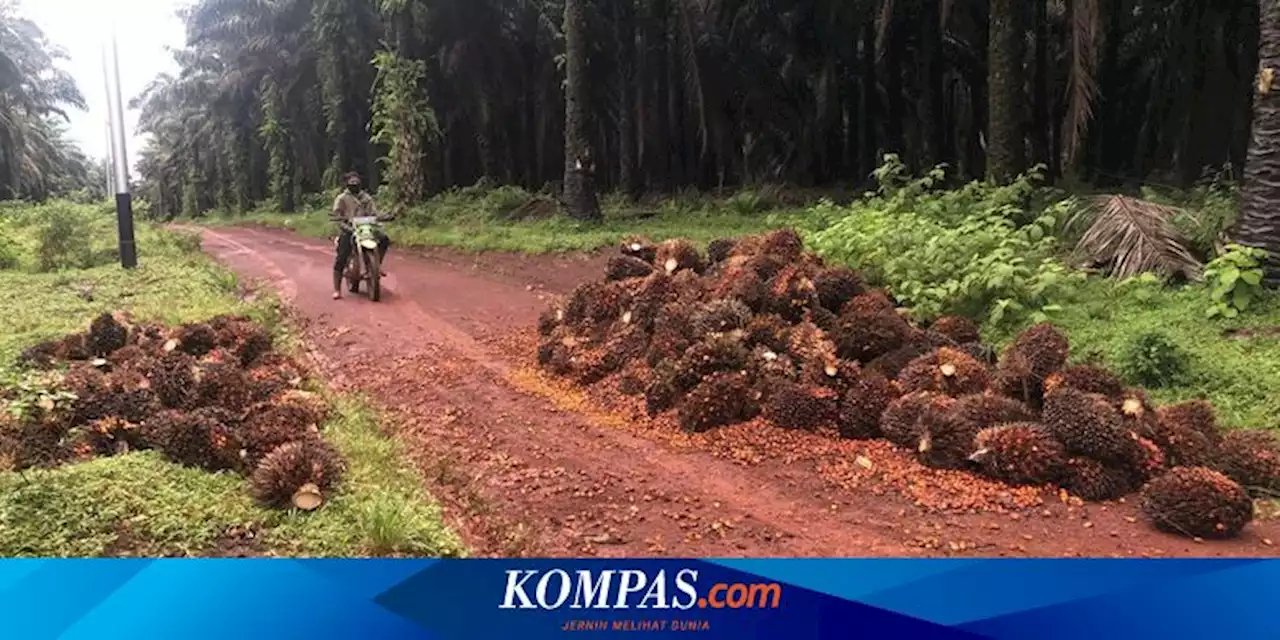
[[109, 170], [124, 201], [110, 167]]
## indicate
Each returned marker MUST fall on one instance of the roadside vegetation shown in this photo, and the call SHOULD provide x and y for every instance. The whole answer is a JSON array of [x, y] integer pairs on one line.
[[486, 218], [1008, 256], [61, 272]]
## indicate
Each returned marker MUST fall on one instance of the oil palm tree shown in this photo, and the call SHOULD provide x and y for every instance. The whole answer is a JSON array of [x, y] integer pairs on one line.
[[1259, 222], [579, 162], [35, 157], [671, 94]]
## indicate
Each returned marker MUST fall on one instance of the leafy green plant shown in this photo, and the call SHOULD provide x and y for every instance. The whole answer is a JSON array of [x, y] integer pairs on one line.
[[949, 252], [746, 202], [403, 122], [29, 394], [277, 138], [1155, 360], [1235, 280], [9, 251], [63, 241], [184, 242], [142, 209], [502, 201]]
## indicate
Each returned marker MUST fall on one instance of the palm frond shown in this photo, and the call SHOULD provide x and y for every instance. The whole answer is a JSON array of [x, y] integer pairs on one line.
[[884, 22], [1082, 91], [1132, 236], [692, 68], [10, 73]]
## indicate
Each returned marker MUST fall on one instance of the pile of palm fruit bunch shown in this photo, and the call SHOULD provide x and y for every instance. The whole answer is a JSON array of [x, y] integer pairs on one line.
[[759, 328], [214, 395]]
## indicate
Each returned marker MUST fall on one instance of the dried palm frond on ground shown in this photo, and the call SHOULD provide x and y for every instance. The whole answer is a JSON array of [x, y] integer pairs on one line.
[[1133, 236]]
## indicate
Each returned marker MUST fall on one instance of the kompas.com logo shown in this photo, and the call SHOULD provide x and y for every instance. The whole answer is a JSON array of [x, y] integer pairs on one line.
[[631, 589]]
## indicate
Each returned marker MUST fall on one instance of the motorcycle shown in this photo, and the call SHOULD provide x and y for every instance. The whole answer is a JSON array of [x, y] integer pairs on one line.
[[365, 264]]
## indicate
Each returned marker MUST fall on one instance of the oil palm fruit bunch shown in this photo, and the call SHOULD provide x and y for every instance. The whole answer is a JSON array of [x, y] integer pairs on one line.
[[301, 474], [1197, 502]]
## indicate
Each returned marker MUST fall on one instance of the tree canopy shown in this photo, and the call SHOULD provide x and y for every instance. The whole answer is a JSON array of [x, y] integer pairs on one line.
[[277, 97], [37, 159]]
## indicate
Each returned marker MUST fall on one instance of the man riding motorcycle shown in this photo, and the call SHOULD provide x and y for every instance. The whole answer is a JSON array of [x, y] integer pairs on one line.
[[355, 202]]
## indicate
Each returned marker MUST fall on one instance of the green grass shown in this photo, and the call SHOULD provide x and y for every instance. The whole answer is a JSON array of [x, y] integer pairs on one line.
[[474, 221], [139, 504], [1241, 377], [136, 503]]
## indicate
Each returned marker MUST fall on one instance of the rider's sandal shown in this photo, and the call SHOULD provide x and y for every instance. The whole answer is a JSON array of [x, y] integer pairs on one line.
[[337, 295]]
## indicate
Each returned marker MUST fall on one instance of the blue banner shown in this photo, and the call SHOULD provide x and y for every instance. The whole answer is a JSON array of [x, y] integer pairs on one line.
[[447, 599]]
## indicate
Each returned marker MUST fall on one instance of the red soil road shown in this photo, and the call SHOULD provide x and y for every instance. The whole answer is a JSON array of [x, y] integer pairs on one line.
[[521, 474]]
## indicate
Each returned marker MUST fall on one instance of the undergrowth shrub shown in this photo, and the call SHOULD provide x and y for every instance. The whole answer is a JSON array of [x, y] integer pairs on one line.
[[477, 203], [320, 201], [26, 393], [142, 209], [1207, 210], [1155, 360], [63, 239], [58, 235], [1235, 280], [954, 252], [503, 200], [182, 242], [85, 196], [753, 201], [10, 252]]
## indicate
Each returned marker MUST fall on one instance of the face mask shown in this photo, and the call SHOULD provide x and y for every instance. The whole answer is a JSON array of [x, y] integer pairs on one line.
[[353, 188]]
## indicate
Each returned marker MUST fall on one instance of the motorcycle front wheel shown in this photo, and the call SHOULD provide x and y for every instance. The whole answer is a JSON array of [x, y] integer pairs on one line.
[[373, 268]]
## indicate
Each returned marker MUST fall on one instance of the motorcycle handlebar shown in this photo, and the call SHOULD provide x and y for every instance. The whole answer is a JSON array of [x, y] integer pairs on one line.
[[344, 223]]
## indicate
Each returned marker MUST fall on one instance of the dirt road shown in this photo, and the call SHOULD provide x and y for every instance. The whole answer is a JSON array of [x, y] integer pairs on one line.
[[446, 356]]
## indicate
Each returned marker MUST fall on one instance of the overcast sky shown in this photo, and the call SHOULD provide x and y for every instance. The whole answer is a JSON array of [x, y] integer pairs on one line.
[[143, 28]]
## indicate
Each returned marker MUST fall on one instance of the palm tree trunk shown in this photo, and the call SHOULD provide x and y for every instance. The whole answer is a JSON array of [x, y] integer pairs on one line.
[[851, 159], [676, 101], [1246, 64], [579, 189], [1006, 157], [870, 148], [243, 154], [626, 42], [661, 172], [930, 103], [895, 136], [1043, 126], [1259, 223]]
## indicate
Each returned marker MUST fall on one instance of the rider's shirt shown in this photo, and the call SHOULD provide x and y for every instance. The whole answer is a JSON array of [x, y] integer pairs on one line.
[[349, 206]]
